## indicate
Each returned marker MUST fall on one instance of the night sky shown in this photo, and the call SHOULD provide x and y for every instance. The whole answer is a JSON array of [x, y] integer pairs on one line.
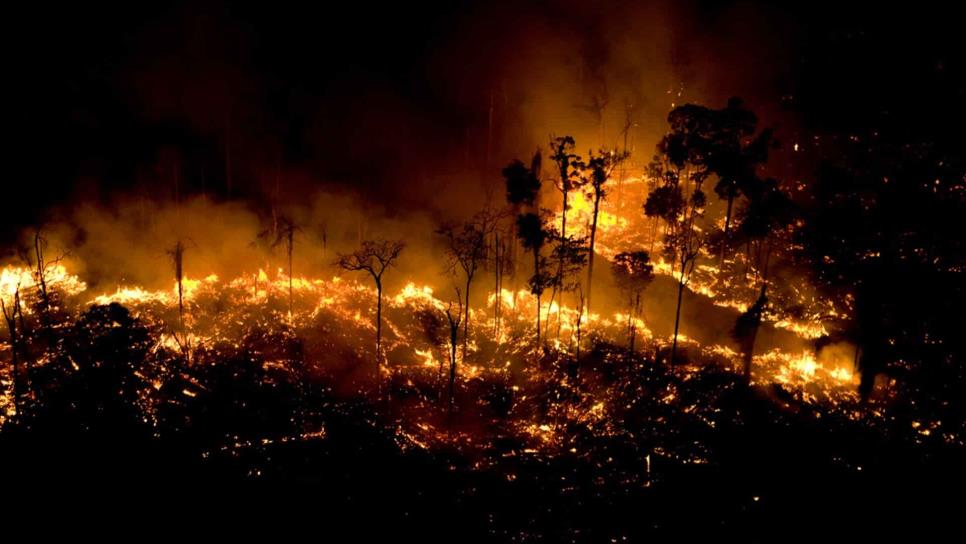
[[380, 99]]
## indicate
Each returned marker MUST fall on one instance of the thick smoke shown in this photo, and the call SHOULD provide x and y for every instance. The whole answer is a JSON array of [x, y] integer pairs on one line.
[[208, 123]]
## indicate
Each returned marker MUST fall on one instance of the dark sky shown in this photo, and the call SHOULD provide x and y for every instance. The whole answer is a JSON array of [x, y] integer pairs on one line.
[[392, 101]]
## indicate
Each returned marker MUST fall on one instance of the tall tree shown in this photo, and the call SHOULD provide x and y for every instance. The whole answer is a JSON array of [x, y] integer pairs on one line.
[[285, 235], [374, 257], [522, 192], [568, 166], [177, 260], [600, 168], [681, 165]]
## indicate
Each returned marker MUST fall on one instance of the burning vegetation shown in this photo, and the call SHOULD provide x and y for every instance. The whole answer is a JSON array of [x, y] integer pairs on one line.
[[609, 325]]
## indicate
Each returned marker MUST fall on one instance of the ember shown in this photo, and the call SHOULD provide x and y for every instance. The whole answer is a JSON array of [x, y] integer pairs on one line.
[[537, 275]]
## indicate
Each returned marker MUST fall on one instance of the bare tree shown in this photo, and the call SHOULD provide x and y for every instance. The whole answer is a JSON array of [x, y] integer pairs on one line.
[[177, 259], [466, 250], [374, 257], [286, 235], [454, 327], [36, 258]]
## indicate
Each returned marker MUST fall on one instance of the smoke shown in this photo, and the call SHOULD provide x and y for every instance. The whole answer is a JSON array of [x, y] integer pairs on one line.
[[419, 115], [207, 123]]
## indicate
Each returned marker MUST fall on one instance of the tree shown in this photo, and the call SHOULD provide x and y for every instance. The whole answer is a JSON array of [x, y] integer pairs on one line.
[[568, 258], [877, 235], [454, 326], [746, 329], [522, 183], [177, 259], [374, 257], [686, 244], [522, 191], [601, 167], [48, 302], [11, 316], [466, 250], [629, 123], [633, 272], [685, 159], [286, 235], [568, 169], [767, 216], [533, 236]]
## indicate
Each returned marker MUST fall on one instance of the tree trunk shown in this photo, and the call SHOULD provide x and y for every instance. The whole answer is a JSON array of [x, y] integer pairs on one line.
[[14, 347], [454, 338], [466, 318], [378, 328], [536, 270], [727, 229], [633, 324], [590, 262], [677, 316], [497, 301], [290, 244], [563, 217], [538, 320]]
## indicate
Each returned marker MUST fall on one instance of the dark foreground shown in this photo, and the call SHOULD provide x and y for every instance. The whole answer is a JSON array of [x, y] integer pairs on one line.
[[773, 479]]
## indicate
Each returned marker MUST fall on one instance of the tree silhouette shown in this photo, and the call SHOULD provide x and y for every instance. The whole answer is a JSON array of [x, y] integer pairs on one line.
[[466, 250], [533, 236], [746, 330], [522, 191], [600, 168], [177, 260], [453, 319], [876, 235], [373, 257], [11, 315], [568, 170], [766, 218], [633, 272], [681, 165], [522, 183], [286, 235], [568, 259], [47, 303]]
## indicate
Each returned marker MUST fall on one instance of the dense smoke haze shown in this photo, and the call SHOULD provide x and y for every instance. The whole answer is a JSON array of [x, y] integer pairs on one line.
[[406, 105], [750, 298]]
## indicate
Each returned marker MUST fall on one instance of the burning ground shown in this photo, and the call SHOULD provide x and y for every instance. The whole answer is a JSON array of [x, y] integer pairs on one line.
[[520, 271], [263, 377]]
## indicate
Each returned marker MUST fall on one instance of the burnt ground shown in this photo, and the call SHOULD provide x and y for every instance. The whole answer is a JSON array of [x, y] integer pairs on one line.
[[773, 477]]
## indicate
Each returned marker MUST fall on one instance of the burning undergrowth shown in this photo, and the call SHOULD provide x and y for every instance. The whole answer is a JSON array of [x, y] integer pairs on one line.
[[247, 363]]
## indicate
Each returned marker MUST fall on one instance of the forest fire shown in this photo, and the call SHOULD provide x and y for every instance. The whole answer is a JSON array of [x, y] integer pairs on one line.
[[486, 271]]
